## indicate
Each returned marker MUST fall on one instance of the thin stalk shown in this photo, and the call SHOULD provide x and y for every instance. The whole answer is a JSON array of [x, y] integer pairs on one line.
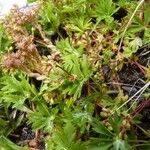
[[138, 92], [129, 22]]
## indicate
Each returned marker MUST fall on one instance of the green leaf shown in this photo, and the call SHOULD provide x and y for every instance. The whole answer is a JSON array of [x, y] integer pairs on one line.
[[132, 47], [100, 128], [105, 8], [86, 68], [121, 145], [16, 89], [136, 43], [146, 13], [73, 88], [100, 144], [137, 25], [6, 144], [14, 124], [116, 123], [65, 138], [79, 24], [43, 117], [143, 146]]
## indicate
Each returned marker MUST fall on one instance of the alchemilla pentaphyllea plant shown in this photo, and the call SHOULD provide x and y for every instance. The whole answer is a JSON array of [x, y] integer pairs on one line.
[[75, 75]]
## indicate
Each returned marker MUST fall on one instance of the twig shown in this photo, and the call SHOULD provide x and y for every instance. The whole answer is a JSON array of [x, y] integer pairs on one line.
[[140, 92], [140, 108]]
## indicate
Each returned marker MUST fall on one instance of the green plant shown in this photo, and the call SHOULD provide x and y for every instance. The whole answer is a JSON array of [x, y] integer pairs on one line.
[[65, 138], [16, 90], [76, 73]]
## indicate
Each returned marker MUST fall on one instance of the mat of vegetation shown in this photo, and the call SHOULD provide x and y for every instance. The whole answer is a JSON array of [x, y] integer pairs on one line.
[[75, 75]]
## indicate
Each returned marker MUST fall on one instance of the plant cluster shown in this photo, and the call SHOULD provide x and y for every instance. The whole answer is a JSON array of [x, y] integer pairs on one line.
[[75, 75]]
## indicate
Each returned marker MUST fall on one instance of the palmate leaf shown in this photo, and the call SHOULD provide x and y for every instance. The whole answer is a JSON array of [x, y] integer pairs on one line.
[[119, 144], [72, 64], [105, 8], [137, 25], [43, 117], [107, 139], [108, 144], [65, 47], [79, 23], [74, 6], [50, 17], [65, 136], [79, 66], [16, 89], [73, 88], [17, 100], [42, 122], [65, 139], [132, 47], [76, 64]]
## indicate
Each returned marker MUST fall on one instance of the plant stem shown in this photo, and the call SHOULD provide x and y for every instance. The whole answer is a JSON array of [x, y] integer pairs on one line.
[[129, 22]]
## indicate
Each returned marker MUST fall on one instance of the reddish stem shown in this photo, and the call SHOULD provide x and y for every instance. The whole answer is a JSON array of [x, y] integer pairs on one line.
[[140, 108], [142, 68]]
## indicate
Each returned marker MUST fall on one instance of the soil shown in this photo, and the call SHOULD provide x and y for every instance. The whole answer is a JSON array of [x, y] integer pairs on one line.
[[24, 136]]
